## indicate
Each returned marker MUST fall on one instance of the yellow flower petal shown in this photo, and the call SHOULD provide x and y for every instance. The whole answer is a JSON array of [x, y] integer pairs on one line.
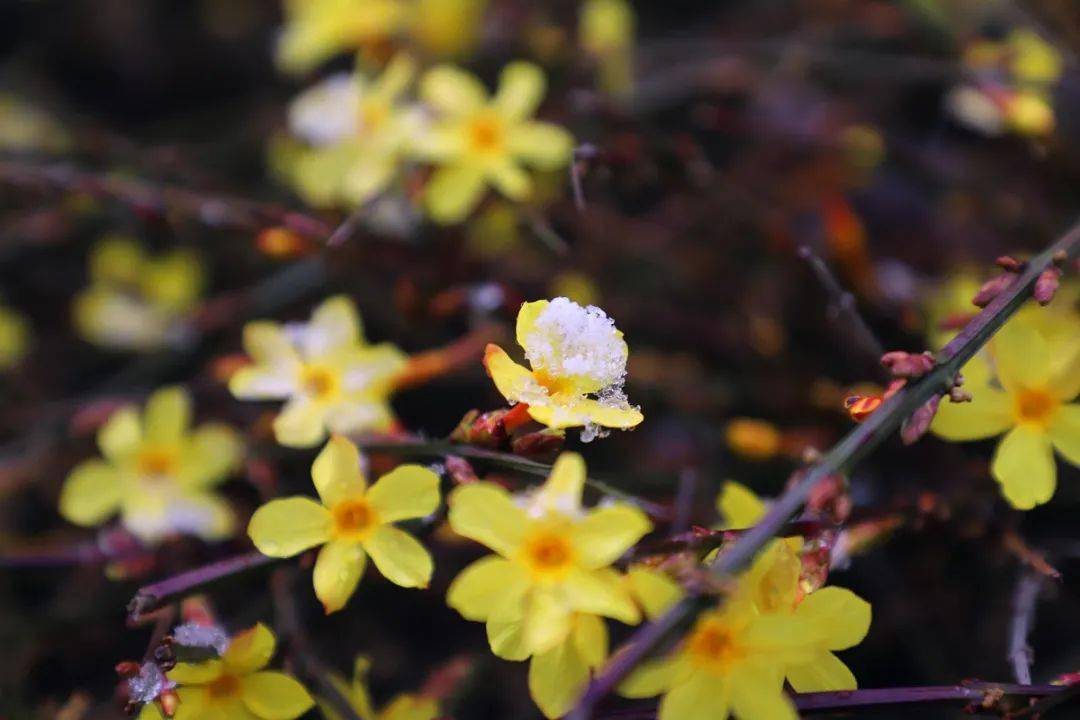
[[1064, 433], [590, 637], [453, 192], [410, 707], [338, 569], [150, 711], [213, 451], [844, 616], [486, 513], [267, 343], [1024, 465], [409, 491], [756, 692], [452, 91], [192, 703], [116, 260], [263, 382], [599, 593], [368, 177], [275, 696], [1023, 359], [336, 472], [399, 556], [989, 413], [700, 697], [509, 179], [300, 423], [121, 436], [653, 590], [649, 678], [824, 673], [91, 493], [482, 586], [546, 621], [196, 673], [739, 506], [557, 678], [506, 636], [287, 527], [526, 320], [203, 514], [167, 415], [511, 379], [605, 534], [606, 415], [173, 282], [334, 325], [250, 650], [521, 88], [541, 145], [561, 492]]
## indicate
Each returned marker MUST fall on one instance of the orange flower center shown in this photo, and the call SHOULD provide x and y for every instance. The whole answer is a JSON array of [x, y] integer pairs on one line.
[[713, 645], [486, 135], [1035, 406], [354, 518], [554, 385], [156, 462], [226, 686], [319, 382], [548, 554]]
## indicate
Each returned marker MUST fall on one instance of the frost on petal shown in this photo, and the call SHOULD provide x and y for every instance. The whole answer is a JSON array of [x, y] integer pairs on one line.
[[578, 343], [198, 635], [148, 684]]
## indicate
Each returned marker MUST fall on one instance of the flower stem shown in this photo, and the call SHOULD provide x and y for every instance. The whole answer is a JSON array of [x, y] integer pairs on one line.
[[855, 446]]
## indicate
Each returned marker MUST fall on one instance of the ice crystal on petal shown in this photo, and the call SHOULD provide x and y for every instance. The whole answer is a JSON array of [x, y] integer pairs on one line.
[[148, 684], [592, 431], [575, 341], [202, 636]]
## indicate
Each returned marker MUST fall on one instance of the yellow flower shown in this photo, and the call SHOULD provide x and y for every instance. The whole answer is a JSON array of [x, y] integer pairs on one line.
[[355, 134], [26, 127], [575, 354], [405, 706], [476, 140], [351, 522], [1033, 60], [156, 472], [753, 439], [731, 663], [14, 338], [235, 686], [329, 375], [606, 30], [739, 506], [316, 30], [1029, 402], [838, 617], [552, 560], [134, 301], [447, 28]]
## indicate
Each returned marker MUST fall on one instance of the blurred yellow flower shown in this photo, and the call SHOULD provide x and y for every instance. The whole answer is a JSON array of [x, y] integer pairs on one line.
[[447, 28], [317, 30], [476, 141], [26, 127], [552, 560], [1028, 399], [753, 439], [575, 353], [14, 338], [135, 301], [351, 522], [156, 472], [354, 134], [731, 663], [236, 686], [404, 706], [329, 375], [606, 30]]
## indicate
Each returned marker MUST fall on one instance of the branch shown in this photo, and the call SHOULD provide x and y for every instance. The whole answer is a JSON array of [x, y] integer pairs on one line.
[[1023, 617], [151, 597], [855, 446]]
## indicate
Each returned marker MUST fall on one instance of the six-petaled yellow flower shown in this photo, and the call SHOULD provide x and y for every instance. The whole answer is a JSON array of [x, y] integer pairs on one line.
[[405, 706], [351, 522], [135, 301], [156, 472], [1026, 395], [552, 560], [476, 141], [355, 135], [578, 366], [236, 686], [331, 378]]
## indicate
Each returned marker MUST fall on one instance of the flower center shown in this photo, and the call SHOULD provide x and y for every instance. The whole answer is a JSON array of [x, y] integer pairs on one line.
[[548, 554], [554, 385], [226, 686], [156, 462], [373, 115], [353, 518], [1035, 406], [713, 645], [319, 382], [486, 135]]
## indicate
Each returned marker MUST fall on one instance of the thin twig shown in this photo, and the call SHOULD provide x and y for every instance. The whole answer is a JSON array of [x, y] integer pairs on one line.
[[1023, 617], [855, 446], [684, 501], [151, 597]]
